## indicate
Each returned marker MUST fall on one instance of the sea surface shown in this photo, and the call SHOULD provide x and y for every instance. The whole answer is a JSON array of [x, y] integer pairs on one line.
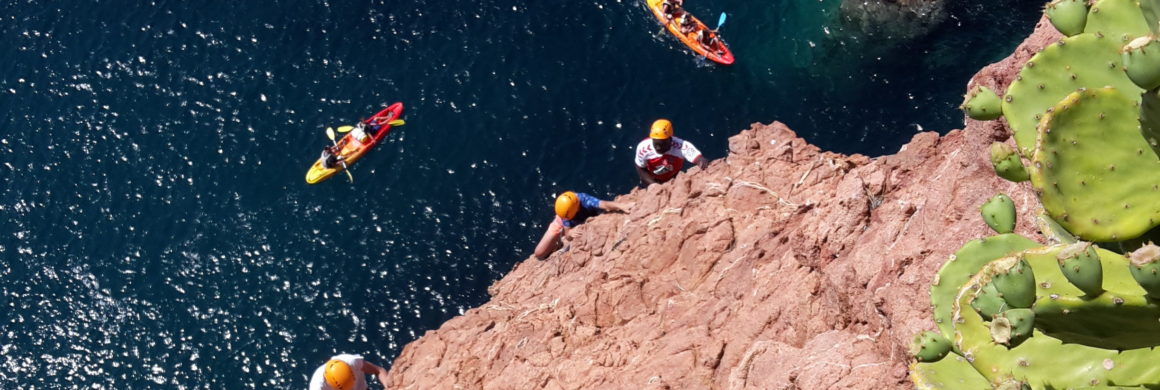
[[156, 230]]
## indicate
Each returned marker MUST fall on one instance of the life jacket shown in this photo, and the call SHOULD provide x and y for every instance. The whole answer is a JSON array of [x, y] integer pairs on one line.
[[664, 167]]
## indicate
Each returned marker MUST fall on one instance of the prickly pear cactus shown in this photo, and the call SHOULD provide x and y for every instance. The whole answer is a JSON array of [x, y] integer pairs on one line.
[[1007, 163], [1151, 10], [1068, 16], [1069, 314], [1150, 119], [962, 264], [1141, 59], [1146, 269], [1093, 171], [1120, 20], [981, 103], [1082, 61], [1066, 339], [999, 213]]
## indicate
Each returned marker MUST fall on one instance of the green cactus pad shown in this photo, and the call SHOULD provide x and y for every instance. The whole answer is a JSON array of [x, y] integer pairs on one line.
[[1081, 266], [981, 103], [1151, 10], [1121, 20], [1093, 171], [967, 261], [953, 372], [1108, 321], [1068, 16], [1142, 61], [1007, 163], [1012, 327], [1016, 283], [1120, 318], [988, 302], [1045, 361], [1145, 269], [999, 213], [929, 346], [1051, 230], [1150, 119], [1082, 61]]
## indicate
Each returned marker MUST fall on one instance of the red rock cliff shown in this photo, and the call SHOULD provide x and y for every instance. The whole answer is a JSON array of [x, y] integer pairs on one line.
[[780, 266]]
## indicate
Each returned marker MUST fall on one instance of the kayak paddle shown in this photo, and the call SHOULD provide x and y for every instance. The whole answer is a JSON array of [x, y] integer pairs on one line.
[[330, 134], [348, 128], [720, 21]]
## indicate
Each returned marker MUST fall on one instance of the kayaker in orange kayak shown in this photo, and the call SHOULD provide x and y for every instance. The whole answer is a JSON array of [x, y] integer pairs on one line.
[[362, 137], [330, 157], [686, 23], [708, 39], [671, 7]]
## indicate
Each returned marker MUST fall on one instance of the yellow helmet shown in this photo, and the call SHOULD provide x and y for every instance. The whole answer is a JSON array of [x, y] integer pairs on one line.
[[567, 204], [661, 129], [339, 375]]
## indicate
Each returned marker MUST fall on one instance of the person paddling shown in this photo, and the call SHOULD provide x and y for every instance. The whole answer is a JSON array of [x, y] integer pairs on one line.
[[660, 156], [330, 157], [671, 7], [686, 23], [707, 39]]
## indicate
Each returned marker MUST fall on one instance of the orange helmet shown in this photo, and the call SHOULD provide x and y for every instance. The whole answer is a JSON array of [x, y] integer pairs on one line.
[[339, 375], [567, 204], [661, 129]]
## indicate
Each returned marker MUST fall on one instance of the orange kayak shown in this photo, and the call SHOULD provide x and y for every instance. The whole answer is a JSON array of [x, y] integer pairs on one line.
[[352, 149], [718, 52]]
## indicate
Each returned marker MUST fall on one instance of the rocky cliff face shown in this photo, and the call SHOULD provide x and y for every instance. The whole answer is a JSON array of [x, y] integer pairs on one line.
[[779, 266]]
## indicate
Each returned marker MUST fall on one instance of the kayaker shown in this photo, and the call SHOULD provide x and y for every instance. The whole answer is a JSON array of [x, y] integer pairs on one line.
[[686, 23], [671, 7], [572, 209], [660, 156], [330, 157], [360, 132], [346, 372], [709, 40]]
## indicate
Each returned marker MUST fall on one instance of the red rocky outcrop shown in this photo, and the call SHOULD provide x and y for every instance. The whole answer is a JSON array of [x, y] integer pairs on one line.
[[781, 266]]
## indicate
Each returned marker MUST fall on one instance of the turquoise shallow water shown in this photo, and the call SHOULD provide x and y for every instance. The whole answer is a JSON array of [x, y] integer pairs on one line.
[[157, 229]]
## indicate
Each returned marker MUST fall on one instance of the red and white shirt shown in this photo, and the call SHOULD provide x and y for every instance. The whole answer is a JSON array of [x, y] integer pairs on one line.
[[664, 167]]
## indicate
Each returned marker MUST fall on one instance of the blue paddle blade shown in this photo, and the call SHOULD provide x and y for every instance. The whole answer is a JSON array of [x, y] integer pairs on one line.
[[721, 21]]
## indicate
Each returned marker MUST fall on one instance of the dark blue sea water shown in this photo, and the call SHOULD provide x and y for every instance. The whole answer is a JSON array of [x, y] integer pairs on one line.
[[157, 231]]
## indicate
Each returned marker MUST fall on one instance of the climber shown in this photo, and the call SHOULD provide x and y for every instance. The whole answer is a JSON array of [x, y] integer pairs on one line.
[[346, 372], [660, 156], [573, 208]]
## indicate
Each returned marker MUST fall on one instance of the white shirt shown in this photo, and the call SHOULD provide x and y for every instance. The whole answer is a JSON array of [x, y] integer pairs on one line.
[[681, 149], [318, 380], [359, 133]]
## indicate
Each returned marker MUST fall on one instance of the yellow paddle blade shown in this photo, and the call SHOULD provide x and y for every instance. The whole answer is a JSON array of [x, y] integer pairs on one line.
[[330, 133], [396, 122], [345, 129]]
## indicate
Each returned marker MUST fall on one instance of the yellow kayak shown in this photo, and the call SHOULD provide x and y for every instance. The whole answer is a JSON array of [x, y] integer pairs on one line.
[[351, 149]]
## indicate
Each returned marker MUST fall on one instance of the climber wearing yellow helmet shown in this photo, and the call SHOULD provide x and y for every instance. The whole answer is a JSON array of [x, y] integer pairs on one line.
[[660, 156], [346, 372], [572, 208]]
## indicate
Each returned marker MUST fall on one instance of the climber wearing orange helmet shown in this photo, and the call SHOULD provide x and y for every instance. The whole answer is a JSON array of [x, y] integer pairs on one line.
[[660, 156], [346, 372], [572, 208]]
